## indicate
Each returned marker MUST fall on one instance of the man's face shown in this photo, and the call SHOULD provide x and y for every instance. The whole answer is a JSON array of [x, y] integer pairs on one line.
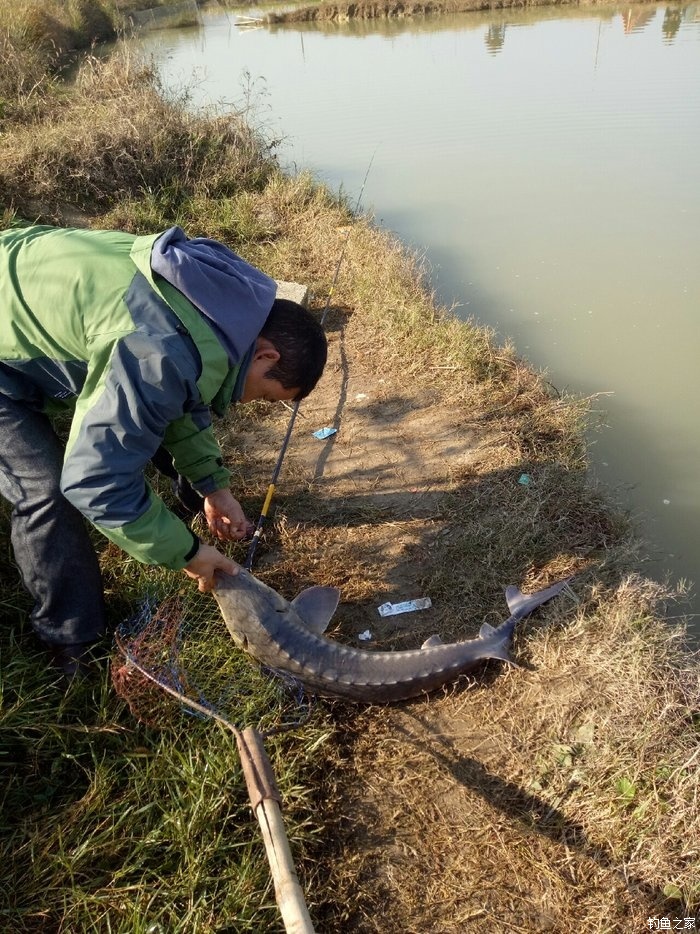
[[257, 385]]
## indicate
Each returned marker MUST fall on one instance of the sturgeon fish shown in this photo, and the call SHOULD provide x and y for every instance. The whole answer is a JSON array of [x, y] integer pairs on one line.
[[289, 637]]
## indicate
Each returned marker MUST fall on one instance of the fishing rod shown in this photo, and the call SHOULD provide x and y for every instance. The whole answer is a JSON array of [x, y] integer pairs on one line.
[[248, 564]]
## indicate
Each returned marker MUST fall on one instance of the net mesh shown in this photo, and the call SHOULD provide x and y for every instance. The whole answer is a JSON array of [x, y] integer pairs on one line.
[[180, 646], [178, 657], [151, 639]]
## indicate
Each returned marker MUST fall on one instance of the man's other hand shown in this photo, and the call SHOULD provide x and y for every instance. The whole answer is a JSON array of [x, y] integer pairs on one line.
[[225, 517]]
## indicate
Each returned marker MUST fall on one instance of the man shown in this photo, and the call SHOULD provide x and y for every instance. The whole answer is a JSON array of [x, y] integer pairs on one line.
[[139, 339]]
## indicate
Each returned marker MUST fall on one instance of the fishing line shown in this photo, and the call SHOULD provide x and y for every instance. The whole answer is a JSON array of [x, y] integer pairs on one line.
[[248, 563]]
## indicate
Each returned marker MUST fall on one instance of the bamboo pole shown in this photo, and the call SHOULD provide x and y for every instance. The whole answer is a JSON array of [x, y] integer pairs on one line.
[[265, 801]]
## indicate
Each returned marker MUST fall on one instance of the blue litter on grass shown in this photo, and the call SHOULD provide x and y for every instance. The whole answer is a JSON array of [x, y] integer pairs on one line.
[[524, 479], [324, 433]]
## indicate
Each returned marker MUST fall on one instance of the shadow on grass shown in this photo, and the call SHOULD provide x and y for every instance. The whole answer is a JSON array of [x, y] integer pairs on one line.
[[532, 813]]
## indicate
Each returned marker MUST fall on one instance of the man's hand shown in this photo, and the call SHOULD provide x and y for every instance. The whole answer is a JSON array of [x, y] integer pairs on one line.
[[205, 563], [225, 517]]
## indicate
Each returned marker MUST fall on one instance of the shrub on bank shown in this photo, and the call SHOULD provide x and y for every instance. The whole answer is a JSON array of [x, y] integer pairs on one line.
[[58, 26], [40, 38]]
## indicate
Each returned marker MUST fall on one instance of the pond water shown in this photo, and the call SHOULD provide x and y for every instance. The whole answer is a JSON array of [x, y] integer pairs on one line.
[[546, 164]]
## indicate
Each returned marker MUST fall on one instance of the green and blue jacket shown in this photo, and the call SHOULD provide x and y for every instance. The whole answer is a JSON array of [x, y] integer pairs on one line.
[[86, 324]]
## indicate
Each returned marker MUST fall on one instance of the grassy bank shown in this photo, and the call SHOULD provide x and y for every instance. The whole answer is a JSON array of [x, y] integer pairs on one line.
[[561, 794]]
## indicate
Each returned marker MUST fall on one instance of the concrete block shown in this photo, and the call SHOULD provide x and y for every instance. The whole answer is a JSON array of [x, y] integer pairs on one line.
[[293, 292]]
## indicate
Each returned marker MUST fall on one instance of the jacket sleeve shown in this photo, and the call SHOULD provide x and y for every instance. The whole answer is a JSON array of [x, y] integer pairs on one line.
[[195, 451], [137, 386]]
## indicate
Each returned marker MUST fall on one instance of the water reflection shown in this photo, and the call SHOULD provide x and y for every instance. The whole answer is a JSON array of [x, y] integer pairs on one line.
[[495, 37], [634, 19]]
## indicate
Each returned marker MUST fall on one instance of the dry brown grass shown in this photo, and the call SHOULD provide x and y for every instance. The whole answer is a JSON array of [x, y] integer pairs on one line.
[[37, 40], [561, 795], [56, 27], [118, 137], [24, 81]]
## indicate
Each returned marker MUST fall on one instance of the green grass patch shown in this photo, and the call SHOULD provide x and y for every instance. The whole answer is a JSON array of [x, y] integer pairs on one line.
[[112, 825]]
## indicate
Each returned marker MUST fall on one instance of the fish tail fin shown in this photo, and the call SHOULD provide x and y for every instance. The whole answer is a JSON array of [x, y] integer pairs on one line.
[[521, 604]]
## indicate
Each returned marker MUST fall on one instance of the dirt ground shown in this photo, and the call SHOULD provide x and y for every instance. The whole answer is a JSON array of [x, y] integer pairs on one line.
[[393, 458]]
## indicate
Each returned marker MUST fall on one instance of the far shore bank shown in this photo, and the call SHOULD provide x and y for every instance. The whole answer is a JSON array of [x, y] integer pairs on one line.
[[328, 11]]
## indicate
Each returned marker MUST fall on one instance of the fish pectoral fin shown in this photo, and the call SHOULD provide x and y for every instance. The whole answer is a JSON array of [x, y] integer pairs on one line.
[[496, 643], [432, 641], [501, 652], [315, 606]]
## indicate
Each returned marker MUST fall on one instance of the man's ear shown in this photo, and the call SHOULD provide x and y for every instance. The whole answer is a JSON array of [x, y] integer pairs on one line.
[[266, 350]]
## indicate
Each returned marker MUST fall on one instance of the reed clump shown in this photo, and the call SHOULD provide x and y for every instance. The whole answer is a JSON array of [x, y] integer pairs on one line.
[[118, 137]]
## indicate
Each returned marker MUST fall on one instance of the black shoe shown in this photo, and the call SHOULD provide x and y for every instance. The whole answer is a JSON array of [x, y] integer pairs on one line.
[[189, 502], [73, 660]]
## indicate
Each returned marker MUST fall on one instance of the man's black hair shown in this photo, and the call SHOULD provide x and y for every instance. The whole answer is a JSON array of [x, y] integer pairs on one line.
[[299, 339]]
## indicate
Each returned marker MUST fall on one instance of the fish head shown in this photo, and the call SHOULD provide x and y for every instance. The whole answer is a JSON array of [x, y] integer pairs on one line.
[[245, 602]]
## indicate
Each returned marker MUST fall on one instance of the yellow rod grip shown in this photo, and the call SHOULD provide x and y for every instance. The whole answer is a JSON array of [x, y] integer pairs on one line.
[[268, 499]]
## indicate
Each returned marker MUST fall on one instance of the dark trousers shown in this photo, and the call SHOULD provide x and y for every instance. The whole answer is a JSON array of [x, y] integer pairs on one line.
[[51, 544]]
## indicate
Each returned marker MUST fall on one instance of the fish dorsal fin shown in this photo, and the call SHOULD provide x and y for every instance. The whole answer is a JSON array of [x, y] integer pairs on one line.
[[432, 641], [486, 631], [316, 606]]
